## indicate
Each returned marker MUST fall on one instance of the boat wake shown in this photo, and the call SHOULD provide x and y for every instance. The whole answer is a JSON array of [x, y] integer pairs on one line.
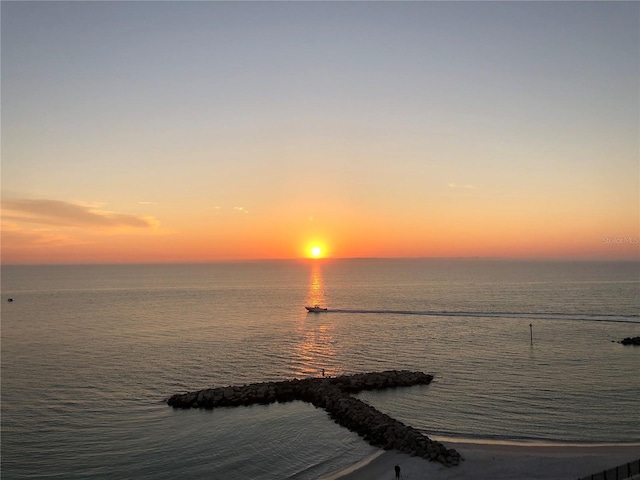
[[519, 315]]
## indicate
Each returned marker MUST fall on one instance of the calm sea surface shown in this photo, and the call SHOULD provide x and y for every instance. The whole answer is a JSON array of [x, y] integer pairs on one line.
[[90, 354]]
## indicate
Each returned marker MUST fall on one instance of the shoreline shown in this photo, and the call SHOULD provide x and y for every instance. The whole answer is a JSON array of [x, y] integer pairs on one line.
[[497, 460]]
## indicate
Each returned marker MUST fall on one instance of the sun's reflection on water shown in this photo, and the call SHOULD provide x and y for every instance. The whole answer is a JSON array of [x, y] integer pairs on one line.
[[315, 350], [315, 293]]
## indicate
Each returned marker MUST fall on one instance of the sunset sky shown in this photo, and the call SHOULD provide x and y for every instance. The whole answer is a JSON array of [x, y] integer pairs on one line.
[[204, 131]]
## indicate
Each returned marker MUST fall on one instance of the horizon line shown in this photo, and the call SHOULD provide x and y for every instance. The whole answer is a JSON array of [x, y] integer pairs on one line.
[[324, 259]]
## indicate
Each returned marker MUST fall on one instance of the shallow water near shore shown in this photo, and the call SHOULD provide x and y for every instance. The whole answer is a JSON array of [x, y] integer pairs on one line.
[[90, 354]]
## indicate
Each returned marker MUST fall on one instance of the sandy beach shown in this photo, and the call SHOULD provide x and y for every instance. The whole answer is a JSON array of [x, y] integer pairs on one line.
[[498, 462]]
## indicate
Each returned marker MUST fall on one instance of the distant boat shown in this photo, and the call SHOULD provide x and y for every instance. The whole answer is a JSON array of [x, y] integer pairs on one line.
[[316, 309]]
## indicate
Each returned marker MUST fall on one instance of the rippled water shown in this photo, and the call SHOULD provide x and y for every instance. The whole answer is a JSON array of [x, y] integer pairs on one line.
[[90, 353]]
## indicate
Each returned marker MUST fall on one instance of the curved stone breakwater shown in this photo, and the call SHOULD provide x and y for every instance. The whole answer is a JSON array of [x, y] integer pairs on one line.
[[334, 395]]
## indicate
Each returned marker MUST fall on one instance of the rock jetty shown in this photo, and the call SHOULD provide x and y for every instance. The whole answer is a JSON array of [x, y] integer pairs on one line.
[[630, 341], [334, 395]]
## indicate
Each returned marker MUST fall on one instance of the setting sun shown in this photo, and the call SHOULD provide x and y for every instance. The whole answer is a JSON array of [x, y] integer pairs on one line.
[[316, 252]]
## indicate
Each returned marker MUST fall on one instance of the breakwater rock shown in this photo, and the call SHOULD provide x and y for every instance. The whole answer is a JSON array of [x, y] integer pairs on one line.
[[334, 395], [630, 341]]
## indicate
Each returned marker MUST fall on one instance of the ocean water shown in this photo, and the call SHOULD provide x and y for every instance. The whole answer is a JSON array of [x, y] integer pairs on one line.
[[91, 353]]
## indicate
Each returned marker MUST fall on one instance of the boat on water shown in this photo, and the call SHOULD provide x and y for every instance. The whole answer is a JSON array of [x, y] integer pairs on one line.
[[316, 308]]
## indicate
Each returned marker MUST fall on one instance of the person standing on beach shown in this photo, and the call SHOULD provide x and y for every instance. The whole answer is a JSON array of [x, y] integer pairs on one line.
[[397, 469]]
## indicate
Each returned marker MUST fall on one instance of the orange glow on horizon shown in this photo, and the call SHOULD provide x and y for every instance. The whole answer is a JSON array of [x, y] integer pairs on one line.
[[501, 232]]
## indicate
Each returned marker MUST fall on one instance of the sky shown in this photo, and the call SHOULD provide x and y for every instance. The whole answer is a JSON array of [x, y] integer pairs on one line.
[[207, 131]]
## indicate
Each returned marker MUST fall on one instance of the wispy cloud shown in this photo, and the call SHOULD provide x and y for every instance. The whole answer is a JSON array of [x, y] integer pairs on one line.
[[61, 213], [241, 209], [14, 235]]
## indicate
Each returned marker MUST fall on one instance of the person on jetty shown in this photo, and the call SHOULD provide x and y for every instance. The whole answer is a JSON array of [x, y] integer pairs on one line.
[[397, 469]]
